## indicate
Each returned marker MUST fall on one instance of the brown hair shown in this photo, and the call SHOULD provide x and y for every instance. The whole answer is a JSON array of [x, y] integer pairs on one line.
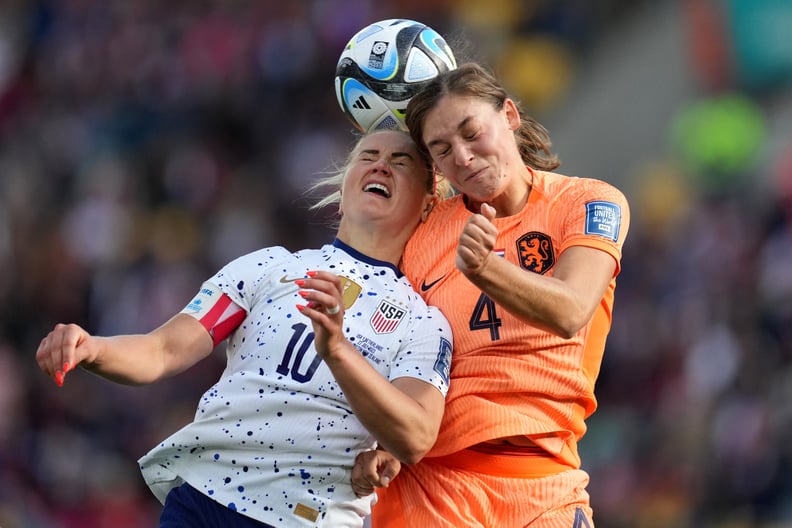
[[471, 79]]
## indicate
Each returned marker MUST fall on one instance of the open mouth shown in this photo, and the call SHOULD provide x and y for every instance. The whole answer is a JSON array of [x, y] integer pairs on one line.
[[377, 188]]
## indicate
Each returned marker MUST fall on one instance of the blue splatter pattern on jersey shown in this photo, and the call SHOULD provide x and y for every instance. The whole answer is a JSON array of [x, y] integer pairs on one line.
[[274, 438]]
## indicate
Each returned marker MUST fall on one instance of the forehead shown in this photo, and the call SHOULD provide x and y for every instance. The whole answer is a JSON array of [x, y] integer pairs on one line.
[[460, 107], [452, 113], [387, 141]]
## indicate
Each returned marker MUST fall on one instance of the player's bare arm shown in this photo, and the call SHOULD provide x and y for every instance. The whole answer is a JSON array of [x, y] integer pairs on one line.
[[128, 359], [403, 415], [562, 303]]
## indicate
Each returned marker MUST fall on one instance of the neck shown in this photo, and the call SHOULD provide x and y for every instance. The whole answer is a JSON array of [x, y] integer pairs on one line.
[[375, 243]]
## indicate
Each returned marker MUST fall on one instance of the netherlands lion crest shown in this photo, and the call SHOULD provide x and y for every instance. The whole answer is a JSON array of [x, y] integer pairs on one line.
[[535, 251]]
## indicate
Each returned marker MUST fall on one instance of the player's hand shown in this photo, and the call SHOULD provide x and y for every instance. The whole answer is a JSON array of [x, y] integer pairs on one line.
[[373, 469], [476, 241], [325, 309], [62, 349]]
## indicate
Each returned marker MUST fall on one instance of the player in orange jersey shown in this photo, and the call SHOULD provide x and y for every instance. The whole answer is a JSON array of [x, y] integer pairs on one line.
[[523, 263]]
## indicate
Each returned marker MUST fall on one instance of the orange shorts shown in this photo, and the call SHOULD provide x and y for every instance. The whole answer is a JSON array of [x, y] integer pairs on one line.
[[493, 488]]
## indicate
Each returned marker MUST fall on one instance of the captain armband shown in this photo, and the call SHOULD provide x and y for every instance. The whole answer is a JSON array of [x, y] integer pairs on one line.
[[215, 311]]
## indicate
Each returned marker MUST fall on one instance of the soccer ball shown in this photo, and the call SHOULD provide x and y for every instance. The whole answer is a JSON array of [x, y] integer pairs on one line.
[[383, 66]]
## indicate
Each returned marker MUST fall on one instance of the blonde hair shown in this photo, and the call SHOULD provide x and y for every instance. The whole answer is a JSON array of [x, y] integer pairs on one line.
[[334, 179]]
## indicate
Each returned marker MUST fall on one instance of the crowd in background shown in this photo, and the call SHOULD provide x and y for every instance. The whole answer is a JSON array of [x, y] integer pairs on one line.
[[144, 144]]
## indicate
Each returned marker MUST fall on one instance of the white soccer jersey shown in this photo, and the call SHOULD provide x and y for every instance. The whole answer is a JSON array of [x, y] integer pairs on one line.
[[275, 438]]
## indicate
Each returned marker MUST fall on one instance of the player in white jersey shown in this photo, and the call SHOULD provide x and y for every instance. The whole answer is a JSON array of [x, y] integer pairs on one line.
[[330, 352]]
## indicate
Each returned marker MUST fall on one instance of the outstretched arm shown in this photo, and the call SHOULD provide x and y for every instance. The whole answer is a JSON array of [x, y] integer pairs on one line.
[[128, 359]]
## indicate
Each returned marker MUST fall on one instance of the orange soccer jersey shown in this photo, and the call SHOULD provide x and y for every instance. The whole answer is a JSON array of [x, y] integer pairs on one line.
[[509, 378]]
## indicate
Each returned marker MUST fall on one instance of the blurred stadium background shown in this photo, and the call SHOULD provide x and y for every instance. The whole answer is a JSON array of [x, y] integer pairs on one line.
[[143, 144]]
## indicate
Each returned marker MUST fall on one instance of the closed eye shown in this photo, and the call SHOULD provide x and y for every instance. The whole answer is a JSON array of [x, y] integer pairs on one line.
[[441, 152]]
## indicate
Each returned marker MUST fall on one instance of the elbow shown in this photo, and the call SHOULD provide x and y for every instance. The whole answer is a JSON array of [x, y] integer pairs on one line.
[[411, 460], [419, 450], [569, 323], [412, 454], [566, 332], [414, 447]]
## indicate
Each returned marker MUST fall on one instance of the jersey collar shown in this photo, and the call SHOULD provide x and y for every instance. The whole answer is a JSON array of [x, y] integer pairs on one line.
[[365, 258]]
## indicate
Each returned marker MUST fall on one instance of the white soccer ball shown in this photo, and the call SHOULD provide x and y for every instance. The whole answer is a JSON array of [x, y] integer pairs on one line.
[[383, 66]]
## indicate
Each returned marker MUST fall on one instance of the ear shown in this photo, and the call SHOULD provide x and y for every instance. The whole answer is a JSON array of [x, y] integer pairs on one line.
[[512, 113], [428, 206]]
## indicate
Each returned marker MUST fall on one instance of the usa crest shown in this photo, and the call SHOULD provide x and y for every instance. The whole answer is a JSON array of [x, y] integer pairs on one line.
[[387, 317], [535, 251]]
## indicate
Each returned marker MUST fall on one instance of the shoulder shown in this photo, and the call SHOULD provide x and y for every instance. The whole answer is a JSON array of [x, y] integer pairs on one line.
[[436, 237], [267, 254], [587, 208], [424, 317], [564, 189], [259, 261], [451, 206], [445, 211]]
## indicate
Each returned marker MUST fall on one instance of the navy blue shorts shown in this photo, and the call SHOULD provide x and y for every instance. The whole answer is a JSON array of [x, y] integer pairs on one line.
[[186, 507]]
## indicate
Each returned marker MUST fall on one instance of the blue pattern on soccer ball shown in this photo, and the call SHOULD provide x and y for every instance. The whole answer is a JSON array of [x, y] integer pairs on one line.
[[366, 32], [351, 89], [432, 39], [388, 69]]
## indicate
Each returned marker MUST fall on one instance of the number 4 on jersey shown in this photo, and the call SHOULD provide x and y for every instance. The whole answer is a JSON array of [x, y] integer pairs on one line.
[[485, 317]]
